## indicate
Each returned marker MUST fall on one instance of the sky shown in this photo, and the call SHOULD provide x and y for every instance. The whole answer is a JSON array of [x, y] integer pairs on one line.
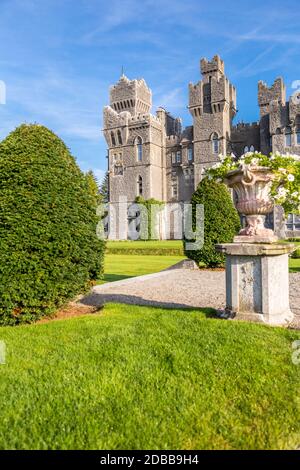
[[59, 57]]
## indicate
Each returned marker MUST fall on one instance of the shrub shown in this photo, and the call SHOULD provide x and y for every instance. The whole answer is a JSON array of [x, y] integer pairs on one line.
[[49, 251], [296, 254], [153, 207], [221, 221]]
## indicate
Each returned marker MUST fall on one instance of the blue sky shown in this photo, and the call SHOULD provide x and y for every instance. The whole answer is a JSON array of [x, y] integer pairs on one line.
[[58, 58]]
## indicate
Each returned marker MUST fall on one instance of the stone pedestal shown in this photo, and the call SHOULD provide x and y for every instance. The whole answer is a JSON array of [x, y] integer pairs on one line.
[[257, 282]]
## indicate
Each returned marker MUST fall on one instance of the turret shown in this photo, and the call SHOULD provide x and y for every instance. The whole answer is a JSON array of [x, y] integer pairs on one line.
[[131, 95], [212, 103], [267, 95]]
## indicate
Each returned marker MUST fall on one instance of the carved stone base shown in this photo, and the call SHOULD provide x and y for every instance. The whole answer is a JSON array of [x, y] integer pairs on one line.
[[255, 231], [257, 282]]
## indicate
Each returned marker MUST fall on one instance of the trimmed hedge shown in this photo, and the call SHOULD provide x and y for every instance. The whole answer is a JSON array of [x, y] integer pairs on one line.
[[49, 251], [146, 251], [221, 222]]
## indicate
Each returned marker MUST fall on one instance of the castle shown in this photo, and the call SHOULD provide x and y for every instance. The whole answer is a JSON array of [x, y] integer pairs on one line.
[[154, 157]]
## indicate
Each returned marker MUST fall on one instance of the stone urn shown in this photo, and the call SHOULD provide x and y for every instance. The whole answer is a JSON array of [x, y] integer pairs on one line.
[[252, 185]]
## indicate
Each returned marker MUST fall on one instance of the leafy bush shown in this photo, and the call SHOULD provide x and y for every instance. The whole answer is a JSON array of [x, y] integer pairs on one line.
[[49, 251], [221, 221], [153, 207], [296, 254]]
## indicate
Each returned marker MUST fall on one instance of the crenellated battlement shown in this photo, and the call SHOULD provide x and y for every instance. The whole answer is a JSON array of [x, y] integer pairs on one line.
[[242, 126], [266, 94], [212, 66], [131, 95]]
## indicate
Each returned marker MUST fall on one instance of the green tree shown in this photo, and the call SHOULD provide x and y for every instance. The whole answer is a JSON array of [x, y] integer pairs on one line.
[[153, 207], [221, 221], [49, 251], [104, 188], [93, 186]]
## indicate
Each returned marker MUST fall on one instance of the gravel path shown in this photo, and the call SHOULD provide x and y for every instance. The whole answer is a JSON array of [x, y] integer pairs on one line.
[[176, 288]]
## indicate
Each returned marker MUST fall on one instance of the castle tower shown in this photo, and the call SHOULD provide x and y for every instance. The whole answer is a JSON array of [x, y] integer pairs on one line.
[[271, 101], [212, 103], [135, 140]]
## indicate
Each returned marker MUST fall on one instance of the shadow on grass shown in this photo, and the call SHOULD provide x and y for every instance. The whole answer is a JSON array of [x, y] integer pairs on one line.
[[113, 277], [98, 299]]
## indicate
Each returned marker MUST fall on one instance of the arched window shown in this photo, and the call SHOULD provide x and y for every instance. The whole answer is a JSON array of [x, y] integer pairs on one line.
[[288, 137], [215, 143], [246, 149], [113, 140], [120, 137], [252, 149], [139, 149], [140, 186]]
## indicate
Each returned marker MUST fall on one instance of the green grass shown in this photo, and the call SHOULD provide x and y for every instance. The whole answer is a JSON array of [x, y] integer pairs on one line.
[[294, 265], [119, 267], [149, 247], [142, 378]]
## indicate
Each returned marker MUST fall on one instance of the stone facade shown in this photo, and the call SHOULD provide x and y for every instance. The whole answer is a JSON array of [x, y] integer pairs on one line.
[[153, 156]]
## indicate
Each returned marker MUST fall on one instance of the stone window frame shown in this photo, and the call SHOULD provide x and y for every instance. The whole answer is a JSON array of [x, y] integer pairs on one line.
[[113, 139], [174, 190], [215, 142], [119, 134], [138, 143], [288, 133], [140, 186], [293, 222]]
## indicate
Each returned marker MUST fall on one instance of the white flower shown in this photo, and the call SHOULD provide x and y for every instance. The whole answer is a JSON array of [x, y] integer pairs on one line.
[[282, 192], [291, 177], [216, 165]]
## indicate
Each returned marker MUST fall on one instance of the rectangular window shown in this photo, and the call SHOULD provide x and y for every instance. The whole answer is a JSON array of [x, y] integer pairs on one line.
[[288, 140], [298, 137], [190, 154], [293, 222], [178, 156]]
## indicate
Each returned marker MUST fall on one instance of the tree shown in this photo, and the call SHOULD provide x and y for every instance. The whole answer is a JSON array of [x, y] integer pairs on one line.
[[93, 186], [49, 251], [153, 208], [104, 188], [221, 221]]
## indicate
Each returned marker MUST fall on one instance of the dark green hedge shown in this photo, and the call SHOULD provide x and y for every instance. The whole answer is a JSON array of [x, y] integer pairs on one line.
[[49, 251], [221, 221]]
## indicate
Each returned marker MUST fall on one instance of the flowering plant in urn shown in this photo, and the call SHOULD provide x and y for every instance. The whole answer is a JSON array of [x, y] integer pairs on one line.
[[259, 182]]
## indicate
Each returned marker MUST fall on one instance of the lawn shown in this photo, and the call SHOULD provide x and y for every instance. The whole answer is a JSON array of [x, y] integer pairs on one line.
[[121, 263], [141, 378], [122, 266], [294, 265]]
